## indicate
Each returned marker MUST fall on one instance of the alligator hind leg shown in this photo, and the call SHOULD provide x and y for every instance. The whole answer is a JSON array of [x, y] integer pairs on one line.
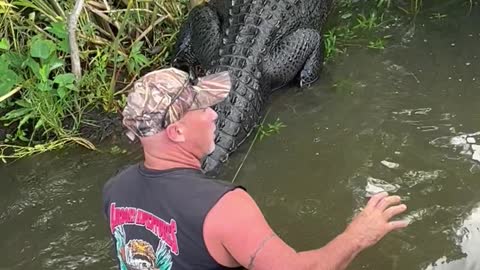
[[312, 68], [198, 39], [300, 52]]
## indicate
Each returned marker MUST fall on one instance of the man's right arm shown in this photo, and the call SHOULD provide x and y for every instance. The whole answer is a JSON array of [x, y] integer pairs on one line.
[[247, 237]]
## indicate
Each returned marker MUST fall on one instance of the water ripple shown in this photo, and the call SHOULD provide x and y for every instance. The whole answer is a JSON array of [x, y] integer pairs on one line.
[[466, 145], [75, 251], [36, 195], [413, 178]]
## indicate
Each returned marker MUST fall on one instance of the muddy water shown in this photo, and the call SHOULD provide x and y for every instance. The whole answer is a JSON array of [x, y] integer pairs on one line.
[[404, 120]]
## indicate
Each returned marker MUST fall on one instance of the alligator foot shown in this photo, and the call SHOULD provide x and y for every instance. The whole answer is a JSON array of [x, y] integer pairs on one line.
[[299, 52], [311, 71], [307, 78]]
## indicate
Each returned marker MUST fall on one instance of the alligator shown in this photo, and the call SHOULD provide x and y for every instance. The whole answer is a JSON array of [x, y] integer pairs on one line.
[[264, 44]]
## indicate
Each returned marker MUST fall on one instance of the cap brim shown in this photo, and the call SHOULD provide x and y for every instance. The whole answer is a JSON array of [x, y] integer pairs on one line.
[[211, 90]]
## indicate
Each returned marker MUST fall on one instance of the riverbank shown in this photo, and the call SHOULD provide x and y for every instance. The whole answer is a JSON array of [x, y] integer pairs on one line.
[[63, 79]]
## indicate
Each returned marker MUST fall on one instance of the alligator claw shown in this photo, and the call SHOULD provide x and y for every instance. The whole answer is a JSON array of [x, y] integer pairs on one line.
[[307, 78]]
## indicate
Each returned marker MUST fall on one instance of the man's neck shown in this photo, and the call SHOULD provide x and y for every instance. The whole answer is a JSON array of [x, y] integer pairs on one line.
[[170, 159]]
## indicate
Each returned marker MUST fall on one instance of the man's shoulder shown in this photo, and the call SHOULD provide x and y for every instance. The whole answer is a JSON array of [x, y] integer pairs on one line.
[[237, 197], [219, 184], [197, 178], [204, 191], [232, 212], [118, 182], [125, 173], [234, 201]]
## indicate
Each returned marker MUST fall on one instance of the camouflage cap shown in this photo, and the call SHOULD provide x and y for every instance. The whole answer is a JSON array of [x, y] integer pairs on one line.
[[162, 97]]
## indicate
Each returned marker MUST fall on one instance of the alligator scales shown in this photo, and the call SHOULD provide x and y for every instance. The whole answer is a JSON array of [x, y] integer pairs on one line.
[[264, 44]]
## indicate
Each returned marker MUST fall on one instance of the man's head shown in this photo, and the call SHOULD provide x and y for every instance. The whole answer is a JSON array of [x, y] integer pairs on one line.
[[166, 103]]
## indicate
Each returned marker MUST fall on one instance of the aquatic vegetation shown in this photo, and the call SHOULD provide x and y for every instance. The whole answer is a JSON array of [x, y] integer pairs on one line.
[[353, 28], [261, 132], [17, 151], [377, 44], [331, 45], [270, 129], [437, 16], [369, 22]]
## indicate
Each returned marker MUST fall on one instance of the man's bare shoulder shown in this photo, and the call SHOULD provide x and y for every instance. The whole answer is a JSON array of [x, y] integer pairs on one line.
[[230, 214], [237, 204]]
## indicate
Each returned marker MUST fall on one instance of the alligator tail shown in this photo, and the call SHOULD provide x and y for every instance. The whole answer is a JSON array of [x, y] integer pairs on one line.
[[238, 114]]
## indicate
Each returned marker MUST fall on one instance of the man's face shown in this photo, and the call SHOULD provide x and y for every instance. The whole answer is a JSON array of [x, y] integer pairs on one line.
[[200, 131]]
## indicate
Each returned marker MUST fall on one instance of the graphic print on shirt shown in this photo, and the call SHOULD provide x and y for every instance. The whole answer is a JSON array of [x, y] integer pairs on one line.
[[137, 254]]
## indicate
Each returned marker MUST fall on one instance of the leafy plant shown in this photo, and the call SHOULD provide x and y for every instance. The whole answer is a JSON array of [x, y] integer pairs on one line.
[[330, 43], [370, 22], [8, 78], [336, 39], [40, 99], [47, 89], [270, 129], [377, 44]]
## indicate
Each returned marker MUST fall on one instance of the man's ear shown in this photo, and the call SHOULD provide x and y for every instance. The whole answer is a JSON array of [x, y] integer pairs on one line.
[[175, 133]]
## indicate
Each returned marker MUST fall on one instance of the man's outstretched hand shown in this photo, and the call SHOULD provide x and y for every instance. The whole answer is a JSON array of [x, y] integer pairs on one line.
[[374, 222]]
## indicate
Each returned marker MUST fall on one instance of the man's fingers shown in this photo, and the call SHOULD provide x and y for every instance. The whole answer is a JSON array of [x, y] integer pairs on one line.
[[386, 202], [394, 210], [375, 199], [399, 224]]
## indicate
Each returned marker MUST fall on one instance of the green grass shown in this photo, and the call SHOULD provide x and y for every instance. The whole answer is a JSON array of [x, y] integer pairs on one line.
[[365, 24]]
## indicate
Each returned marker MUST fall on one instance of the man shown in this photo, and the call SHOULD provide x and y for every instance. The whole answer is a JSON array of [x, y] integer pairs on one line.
[[165, 214]]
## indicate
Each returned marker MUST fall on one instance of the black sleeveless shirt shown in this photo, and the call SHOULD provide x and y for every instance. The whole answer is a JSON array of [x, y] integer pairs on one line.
[[156, 217]]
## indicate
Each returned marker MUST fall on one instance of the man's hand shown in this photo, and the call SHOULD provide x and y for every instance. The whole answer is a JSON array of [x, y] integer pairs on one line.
[[373, 223]]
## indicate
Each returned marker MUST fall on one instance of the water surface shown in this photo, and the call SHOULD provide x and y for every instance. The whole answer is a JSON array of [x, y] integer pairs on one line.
[[376, 120]]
